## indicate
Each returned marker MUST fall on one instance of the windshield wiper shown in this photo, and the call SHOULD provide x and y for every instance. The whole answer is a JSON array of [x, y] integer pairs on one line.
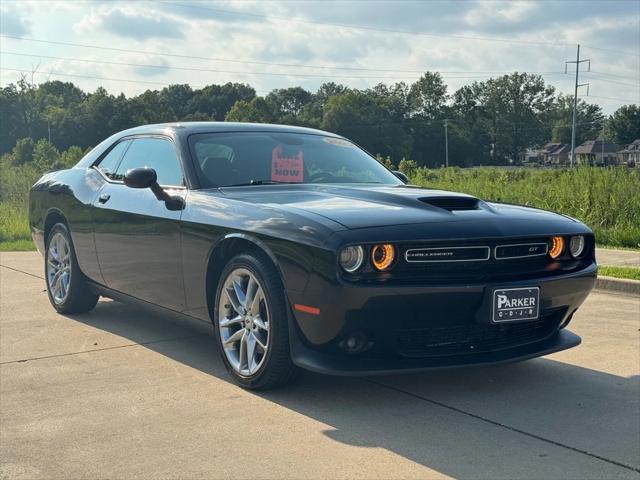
[[260, 182]]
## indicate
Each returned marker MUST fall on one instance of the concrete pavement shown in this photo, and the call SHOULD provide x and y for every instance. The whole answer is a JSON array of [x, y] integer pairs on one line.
[[618, 258], [124, 393]]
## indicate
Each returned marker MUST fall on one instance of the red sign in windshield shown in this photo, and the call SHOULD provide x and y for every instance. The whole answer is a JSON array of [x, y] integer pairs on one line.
[[286, 168]]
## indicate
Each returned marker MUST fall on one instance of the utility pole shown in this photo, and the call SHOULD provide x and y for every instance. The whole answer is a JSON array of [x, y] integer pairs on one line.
[[575, 99], [446, 142], [602, 141]]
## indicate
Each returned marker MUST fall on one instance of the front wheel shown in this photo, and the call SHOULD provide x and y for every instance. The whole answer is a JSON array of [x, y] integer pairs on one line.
[[66, 285], [250, 320]]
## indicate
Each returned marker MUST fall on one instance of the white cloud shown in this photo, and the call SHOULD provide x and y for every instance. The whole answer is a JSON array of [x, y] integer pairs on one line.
[[205, 30], [14, 21], [130, 22]]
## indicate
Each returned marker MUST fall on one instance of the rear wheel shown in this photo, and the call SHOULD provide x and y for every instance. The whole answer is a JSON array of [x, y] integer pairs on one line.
[[67, 287], [250, 319]]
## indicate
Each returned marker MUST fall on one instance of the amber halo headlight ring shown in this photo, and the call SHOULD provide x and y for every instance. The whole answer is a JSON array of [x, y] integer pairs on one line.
[[576, 246], [351, 258], [556, 246], [383, 256]]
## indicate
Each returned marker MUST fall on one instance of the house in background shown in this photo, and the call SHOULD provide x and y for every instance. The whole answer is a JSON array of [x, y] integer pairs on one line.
[[630, 155], [531, 157], [597, 152], [555, 154], [559, 155]]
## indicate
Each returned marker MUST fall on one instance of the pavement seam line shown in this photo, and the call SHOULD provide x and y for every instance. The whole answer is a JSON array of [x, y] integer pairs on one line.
[[103, 349], [22, 271], [502, 425]]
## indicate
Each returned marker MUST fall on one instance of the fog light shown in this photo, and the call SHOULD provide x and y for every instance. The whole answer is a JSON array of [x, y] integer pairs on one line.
[[576, 246], [556, 246], [357, 342], [351, 258], [382, 256]]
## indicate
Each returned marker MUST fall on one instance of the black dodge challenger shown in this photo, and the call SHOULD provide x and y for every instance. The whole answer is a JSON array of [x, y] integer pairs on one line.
[[304, 251]]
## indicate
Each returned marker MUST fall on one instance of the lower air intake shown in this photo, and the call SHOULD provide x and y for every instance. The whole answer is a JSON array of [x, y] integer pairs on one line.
[[473, 338]]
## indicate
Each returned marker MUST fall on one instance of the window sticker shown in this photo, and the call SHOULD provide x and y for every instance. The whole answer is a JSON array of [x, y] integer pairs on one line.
[[286, 167], [338, 142]]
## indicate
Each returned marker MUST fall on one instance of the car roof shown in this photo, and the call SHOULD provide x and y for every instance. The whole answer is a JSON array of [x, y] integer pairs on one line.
[[188, 128]]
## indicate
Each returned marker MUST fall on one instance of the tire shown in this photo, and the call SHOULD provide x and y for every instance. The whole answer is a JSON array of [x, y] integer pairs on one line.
[[68, 291], [268, 368]]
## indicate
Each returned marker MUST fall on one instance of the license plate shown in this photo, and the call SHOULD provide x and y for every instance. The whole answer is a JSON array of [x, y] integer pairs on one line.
[[512, 304]]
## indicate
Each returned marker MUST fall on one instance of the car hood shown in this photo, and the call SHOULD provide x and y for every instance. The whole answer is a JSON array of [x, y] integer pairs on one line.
[[366, 206]]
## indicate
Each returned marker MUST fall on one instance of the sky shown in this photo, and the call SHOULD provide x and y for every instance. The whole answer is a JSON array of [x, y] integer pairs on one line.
[[132, 46]]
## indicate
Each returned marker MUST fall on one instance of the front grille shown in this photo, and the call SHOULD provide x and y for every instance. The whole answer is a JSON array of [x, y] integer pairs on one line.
[[492, 260], [447, 254], [473, 337], [521, 250]]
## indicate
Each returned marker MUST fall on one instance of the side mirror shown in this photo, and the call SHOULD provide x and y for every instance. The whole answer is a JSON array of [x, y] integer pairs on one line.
[[401, 176], [144, 177]]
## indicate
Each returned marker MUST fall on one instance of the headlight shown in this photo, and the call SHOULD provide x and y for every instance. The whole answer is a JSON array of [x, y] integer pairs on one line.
[[351, 258], [382, 256], [556, 246], [576, 246]]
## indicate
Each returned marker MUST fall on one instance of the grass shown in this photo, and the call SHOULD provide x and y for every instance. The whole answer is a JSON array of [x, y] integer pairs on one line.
[[14, 227], [619, 272], [17, 246], [605, 199]]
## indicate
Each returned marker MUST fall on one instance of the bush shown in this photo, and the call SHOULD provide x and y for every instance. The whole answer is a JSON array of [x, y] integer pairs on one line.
[[19, 170]]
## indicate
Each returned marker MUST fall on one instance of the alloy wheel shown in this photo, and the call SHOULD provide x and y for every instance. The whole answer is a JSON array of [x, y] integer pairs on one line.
[[58, 268], [244, 321]]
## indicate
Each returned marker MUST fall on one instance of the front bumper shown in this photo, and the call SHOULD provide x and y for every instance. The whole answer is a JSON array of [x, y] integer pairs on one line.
[[386, 315], [330, 365]]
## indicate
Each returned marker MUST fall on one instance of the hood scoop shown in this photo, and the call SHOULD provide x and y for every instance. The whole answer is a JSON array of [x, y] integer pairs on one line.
[[452, 203]]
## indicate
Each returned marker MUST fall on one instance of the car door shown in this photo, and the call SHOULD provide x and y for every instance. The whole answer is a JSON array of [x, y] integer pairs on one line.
[[137, 237]]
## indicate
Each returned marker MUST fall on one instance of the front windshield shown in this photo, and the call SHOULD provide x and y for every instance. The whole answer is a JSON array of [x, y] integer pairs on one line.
[[255, 158]]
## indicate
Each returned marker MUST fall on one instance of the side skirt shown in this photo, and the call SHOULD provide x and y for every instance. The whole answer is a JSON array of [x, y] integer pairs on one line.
[[202, 325]]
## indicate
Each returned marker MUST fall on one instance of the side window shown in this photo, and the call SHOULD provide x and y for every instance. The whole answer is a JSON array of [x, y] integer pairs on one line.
[[155, 153], [110, 161]]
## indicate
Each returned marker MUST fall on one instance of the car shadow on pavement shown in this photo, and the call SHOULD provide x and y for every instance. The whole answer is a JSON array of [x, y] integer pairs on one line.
[[506, 419]]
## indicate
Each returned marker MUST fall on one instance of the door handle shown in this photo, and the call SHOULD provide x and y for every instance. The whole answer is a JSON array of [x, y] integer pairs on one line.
[[104, 198]]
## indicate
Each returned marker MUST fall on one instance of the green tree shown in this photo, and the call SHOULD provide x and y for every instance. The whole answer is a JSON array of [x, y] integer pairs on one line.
[[256, 110], [510, 109], [46, 156], [287, 103], [624, 125], [363, 118], [22, 153], [177, 98], [558, 118], [216, 100], [428, 96]]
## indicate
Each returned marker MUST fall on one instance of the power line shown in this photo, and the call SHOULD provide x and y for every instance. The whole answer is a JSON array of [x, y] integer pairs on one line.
[[367, 27], [255, 62], [613, 50], [95, 77], [279, 74], [636, 78], [596, 79], [387, 30], [617, 99]]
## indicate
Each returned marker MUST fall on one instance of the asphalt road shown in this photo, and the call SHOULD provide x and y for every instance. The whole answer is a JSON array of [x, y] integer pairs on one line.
[[123, 393]]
